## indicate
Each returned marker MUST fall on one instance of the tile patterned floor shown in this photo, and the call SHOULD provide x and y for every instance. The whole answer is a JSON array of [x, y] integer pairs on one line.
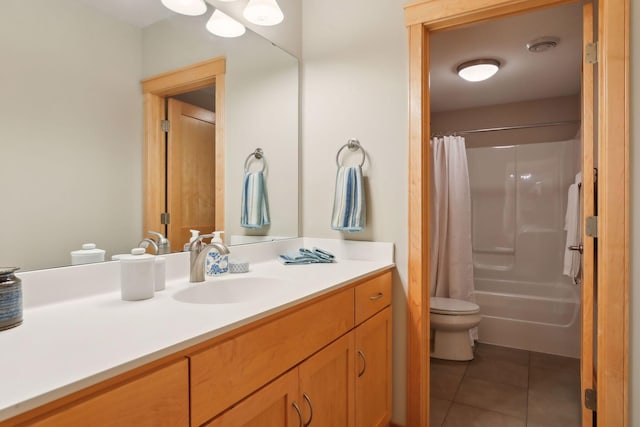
[[504, 387]]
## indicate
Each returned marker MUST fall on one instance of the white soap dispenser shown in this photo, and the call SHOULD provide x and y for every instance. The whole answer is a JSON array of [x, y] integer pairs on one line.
[[216, 264], [194, 235]]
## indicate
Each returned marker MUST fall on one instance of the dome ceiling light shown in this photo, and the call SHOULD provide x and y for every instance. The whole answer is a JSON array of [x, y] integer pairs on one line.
[[478, 69]]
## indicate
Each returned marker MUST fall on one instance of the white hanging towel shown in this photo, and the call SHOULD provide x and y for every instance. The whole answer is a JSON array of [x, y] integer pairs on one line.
[[571, 266]]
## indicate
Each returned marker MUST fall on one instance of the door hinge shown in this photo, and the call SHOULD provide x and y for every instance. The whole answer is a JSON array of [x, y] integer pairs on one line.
[[591, 226], [165, 218], [165, 125], [591, 53], [590, 399]]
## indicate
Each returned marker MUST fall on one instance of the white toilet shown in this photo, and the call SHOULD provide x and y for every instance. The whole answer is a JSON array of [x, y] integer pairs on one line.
[[451, 320]]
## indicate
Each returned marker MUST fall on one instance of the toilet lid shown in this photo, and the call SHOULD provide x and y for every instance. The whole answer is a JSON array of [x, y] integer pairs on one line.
[[441, 305]]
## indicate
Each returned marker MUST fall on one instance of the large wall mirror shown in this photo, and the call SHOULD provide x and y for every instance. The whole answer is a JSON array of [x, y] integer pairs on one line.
[[72, 109]]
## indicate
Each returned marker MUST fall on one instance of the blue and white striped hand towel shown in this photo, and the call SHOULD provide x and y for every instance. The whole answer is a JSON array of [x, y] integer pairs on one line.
[[349, 201], [255, 207]]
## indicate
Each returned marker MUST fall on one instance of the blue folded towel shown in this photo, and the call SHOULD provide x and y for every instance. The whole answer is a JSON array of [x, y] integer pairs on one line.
[[254, 211], [306, 256], [349, 201]]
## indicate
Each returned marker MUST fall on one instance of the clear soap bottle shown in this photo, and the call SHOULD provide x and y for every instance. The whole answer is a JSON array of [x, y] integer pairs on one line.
[[216, 264]]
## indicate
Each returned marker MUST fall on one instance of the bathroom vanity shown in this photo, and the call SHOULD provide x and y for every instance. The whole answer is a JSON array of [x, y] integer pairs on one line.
[[314, 351]]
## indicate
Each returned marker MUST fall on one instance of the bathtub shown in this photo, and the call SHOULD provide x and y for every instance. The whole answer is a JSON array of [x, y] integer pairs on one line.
[[542, 317]]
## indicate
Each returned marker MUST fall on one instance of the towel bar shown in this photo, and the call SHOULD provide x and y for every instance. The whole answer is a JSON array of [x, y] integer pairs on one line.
[[353, 145], [259, 155]]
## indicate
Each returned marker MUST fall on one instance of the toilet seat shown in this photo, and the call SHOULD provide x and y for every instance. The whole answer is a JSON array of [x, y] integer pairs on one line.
[[450, 306]]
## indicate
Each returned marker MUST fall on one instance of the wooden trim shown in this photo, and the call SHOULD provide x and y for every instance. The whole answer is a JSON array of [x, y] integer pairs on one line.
[[220, 153], [185, 79], [613, 193], [442, 14], [154, 153], [418, 298], [588, 209], [156, 89], [613, 213]]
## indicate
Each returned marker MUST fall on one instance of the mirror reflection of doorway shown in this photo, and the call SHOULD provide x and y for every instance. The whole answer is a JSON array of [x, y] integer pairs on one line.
[[190, 165], [191, 175]]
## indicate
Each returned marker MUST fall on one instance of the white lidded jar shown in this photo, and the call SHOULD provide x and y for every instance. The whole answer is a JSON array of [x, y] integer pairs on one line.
[[137, 275], [160, 269], [87, 255]]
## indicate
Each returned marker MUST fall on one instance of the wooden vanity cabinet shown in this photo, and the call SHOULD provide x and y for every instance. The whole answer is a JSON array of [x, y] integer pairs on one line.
[[347, 383]]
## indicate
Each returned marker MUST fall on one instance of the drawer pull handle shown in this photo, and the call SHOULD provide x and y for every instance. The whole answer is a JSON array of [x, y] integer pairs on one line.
[[364, 363], [308, 399], [297, 408], [377, 296]]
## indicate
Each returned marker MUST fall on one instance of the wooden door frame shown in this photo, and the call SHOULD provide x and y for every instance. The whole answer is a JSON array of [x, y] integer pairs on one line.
[[425, 16], [155, 90]]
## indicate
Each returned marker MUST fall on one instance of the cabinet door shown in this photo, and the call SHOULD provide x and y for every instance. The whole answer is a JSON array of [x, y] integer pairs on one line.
[[160, 398], [326, 385], [272, 405], [373, 365]]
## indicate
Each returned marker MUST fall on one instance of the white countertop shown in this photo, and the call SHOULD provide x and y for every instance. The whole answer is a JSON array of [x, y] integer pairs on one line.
[[88, 334]]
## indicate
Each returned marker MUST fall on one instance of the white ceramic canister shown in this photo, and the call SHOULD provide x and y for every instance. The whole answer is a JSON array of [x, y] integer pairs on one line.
[[87, 255], [137, 275], [160, 268]]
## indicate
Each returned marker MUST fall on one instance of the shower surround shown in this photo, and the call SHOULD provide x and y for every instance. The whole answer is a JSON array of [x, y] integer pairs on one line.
[[519, 197]]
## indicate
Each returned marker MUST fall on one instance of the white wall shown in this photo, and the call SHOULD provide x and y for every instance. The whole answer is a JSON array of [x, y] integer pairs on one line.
[[71, 140], [355, 84], [634, 305]]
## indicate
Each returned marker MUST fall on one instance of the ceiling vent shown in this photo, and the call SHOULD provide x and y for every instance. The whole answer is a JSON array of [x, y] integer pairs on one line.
[[542, 44]]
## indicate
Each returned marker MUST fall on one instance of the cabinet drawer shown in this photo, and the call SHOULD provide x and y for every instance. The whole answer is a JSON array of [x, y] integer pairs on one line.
[[372, 296], [231, 370], [160, 398]]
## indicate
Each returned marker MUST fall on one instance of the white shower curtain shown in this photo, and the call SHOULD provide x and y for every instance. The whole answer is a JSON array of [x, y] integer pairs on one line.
[[451, 268]]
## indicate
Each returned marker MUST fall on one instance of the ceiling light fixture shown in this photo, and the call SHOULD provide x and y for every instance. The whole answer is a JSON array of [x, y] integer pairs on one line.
[[223, 25], [186, 7], [263, 12], [478, 69]]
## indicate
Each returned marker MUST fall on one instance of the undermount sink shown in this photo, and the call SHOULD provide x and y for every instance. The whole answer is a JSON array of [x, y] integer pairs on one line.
[[233, 290]]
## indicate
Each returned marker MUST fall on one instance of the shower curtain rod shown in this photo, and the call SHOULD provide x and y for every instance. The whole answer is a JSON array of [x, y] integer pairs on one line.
[[533, 125]]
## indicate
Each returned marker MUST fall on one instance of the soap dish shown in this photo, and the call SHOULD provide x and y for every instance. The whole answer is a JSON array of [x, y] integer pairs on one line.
[[238, 265]]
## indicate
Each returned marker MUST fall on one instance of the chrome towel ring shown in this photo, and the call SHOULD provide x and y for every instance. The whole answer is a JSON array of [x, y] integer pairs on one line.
[[353, 145], [258, 154]]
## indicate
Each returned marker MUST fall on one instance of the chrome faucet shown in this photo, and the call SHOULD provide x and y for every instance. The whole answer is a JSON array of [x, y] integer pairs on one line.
[[198, 253], [160, 244]]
